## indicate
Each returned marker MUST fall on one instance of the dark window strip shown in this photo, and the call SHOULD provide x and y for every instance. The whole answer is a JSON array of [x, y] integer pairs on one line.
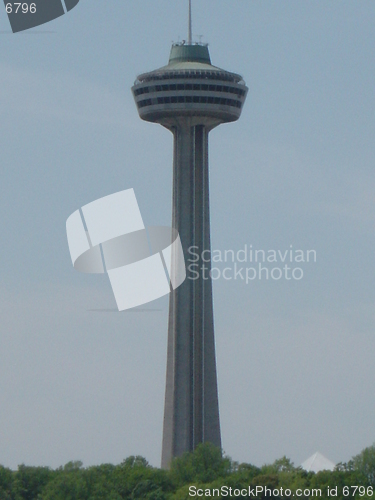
[[187, 86], [171, 75], [190, 99]]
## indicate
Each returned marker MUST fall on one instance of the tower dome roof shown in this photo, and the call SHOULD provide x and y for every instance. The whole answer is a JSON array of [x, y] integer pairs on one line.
[[190, 58], [189, 53]]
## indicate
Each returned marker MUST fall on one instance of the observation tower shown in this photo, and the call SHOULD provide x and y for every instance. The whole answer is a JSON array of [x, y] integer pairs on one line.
[[190, 97]]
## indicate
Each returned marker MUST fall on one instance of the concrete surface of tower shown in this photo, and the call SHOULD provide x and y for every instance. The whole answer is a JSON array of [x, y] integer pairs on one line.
[[190, 97]]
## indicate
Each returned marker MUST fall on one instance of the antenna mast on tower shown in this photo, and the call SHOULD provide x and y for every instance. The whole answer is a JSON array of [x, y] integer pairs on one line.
[[190, 34]]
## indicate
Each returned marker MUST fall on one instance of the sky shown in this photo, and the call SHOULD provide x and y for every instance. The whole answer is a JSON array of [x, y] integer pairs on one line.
[[80, 381]]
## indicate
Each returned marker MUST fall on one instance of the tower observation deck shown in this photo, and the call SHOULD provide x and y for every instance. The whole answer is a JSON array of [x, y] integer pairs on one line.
[[190, 97]]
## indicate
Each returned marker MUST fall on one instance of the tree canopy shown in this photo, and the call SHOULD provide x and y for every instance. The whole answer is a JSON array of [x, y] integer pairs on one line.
[[206, 472]]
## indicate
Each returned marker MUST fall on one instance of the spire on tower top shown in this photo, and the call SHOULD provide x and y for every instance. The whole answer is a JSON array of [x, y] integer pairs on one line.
[[190, 34]]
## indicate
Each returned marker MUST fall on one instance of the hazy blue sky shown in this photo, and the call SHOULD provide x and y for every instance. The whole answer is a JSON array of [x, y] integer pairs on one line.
[[295, 358]]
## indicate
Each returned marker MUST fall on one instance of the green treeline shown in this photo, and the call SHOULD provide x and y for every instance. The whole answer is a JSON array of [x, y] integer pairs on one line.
[[202, 474]]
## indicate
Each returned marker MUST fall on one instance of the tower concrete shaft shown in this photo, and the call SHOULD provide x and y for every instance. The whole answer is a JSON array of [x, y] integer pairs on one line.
[[191, 401], [190, 97]]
